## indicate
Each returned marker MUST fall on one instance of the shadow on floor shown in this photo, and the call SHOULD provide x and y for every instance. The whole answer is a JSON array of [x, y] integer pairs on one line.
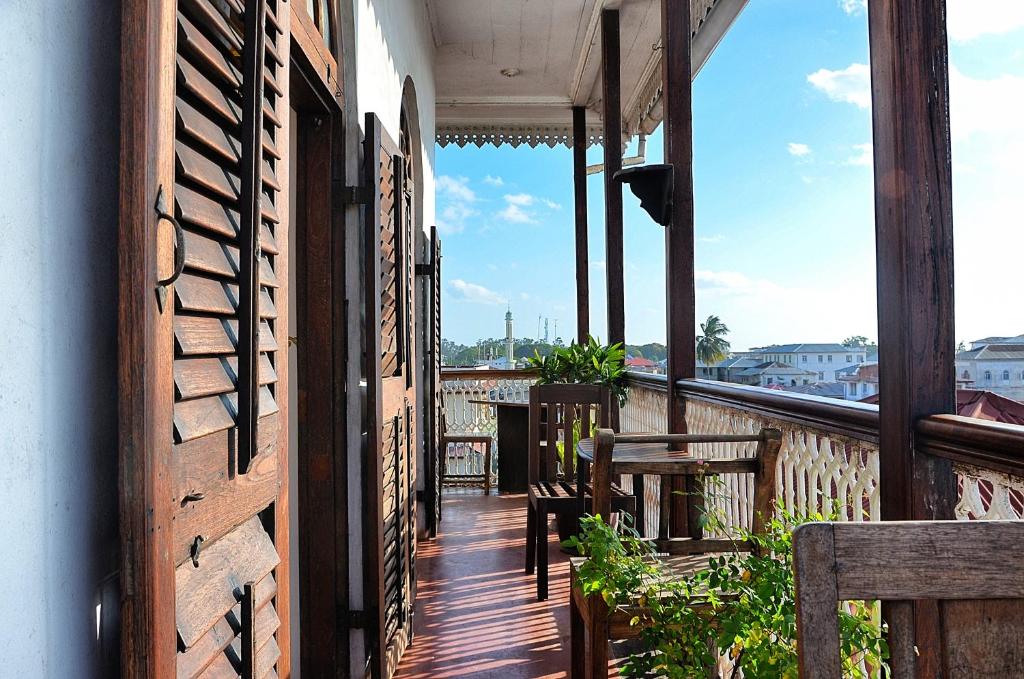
[[477, 614]]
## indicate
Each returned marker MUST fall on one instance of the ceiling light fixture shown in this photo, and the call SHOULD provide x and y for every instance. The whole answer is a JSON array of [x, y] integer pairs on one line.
[[510, 72]]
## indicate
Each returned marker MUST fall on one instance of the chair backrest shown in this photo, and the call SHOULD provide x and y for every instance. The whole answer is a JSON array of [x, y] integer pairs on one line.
[[762, 466], [558, 408], [972, 569]]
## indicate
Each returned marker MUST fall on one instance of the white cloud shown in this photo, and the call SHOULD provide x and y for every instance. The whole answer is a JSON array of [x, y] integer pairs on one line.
[[853, 6], [798, 150], [734, 283], [716, 238], [514, 213], [552, 205], [455, 188], [521, 199], [851, 84], [985, 106], [971, 19], [478, 294], [494, 181], [453, 217], [863, 157]]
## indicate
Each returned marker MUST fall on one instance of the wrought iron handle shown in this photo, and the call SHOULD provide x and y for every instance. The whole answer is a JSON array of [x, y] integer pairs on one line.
[[179, 248]]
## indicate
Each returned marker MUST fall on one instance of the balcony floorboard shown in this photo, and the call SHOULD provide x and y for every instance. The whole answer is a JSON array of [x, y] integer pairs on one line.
[[477, 612]]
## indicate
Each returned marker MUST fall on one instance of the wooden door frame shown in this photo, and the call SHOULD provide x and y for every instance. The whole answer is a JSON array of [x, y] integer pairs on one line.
[[145, 380], [323, 469]]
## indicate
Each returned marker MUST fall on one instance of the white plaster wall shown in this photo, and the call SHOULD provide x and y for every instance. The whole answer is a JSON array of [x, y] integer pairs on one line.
[[384, 41], [59, 64], [393, 40]]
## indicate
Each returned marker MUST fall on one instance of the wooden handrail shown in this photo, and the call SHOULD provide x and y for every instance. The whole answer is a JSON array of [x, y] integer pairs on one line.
[[487, 374], [985, 444], [990, 445]]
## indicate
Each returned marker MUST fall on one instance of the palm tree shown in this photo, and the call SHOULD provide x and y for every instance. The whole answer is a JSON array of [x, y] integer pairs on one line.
[[712, 346]]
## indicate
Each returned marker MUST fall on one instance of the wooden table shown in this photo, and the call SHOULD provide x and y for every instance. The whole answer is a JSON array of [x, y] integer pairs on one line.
[[633, 458], [513, 443]]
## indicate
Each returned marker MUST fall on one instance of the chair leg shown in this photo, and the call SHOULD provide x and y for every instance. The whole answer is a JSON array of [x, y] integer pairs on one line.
[[598, 642], [577, 635], [487, 468], [542, 553], [531, 537]]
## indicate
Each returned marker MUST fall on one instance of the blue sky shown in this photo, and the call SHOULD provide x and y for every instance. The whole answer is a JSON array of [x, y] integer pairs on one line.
[[783, 192]]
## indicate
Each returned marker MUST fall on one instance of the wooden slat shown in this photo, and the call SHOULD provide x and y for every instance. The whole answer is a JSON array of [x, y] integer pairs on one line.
[[195, 377], [197, 209], [266, 658], [269, 147], [269, 178], [202, 416], [211, 256], [202, 654], [211, 134], [211, 58], [215, 21], [270, 115], [193, 80], [196, 335], [206, 173], [207, 592], [195, 293]]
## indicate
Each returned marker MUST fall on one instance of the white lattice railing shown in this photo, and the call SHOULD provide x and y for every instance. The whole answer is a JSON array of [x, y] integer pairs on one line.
[[460, 389], [828, 467], [987, 494]]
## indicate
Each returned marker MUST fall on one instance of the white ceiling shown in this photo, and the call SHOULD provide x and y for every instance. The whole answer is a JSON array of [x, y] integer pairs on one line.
[[555, 45]]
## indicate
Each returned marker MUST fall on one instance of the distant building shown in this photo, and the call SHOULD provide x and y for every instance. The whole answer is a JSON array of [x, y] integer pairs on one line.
[[982, 405], [772, 373], [641, 364], [826, 389], [824, 360], [993, 364], [859, 381]]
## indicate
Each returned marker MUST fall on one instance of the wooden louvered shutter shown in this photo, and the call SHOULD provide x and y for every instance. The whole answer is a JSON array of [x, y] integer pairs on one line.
[[434, 408], [216, 331], [389, 529]]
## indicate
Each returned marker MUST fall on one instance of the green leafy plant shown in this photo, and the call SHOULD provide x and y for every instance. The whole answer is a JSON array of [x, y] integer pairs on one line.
[[742, 606], [588, 363]]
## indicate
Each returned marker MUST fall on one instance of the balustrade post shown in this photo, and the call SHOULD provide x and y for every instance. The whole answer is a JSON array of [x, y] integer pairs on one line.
[[680, 296], [914, 244]]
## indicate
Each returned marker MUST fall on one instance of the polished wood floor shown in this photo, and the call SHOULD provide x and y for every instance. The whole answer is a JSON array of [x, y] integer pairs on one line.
[[477, 614]]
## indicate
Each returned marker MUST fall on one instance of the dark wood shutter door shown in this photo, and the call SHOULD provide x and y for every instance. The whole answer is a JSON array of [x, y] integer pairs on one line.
[[216, 334], [433, 409], [389, 529]]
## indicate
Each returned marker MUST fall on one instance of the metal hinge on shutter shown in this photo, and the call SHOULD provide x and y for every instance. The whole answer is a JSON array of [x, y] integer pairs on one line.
[[352, 195]]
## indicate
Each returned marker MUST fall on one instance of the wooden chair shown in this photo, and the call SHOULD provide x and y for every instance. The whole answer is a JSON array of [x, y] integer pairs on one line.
[[972, 569], [592, 624], [552, 490], [470, 440]]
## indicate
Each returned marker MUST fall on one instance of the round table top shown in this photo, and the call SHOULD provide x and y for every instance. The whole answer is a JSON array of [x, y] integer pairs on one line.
[[626, 453], [510, 404]]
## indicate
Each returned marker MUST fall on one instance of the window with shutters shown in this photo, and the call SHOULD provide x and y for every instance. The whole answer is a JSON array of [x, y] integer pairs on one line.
[[226, 335]]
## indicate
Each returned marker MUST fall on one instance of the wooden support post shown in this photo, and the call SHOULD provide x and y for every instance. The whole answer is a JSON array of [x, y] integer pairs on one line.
[[680, 298], [579, 178], [612, 102], [914, 243]]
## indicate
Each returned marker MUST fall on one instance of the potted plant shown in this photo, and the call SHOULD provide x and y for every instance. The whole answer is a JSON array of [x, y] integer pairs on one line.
[[588, 363], [746, 623]]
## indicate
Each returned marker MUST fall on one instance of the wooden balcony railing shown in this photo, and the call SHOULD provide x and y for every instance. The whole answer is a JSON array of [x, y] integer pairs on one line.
[[459, 387], [829, 455]]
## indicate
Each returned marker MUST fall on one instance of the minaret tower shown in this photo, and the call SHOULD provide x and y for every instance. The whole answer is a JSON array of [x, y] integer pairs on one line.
[[509, 341]]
